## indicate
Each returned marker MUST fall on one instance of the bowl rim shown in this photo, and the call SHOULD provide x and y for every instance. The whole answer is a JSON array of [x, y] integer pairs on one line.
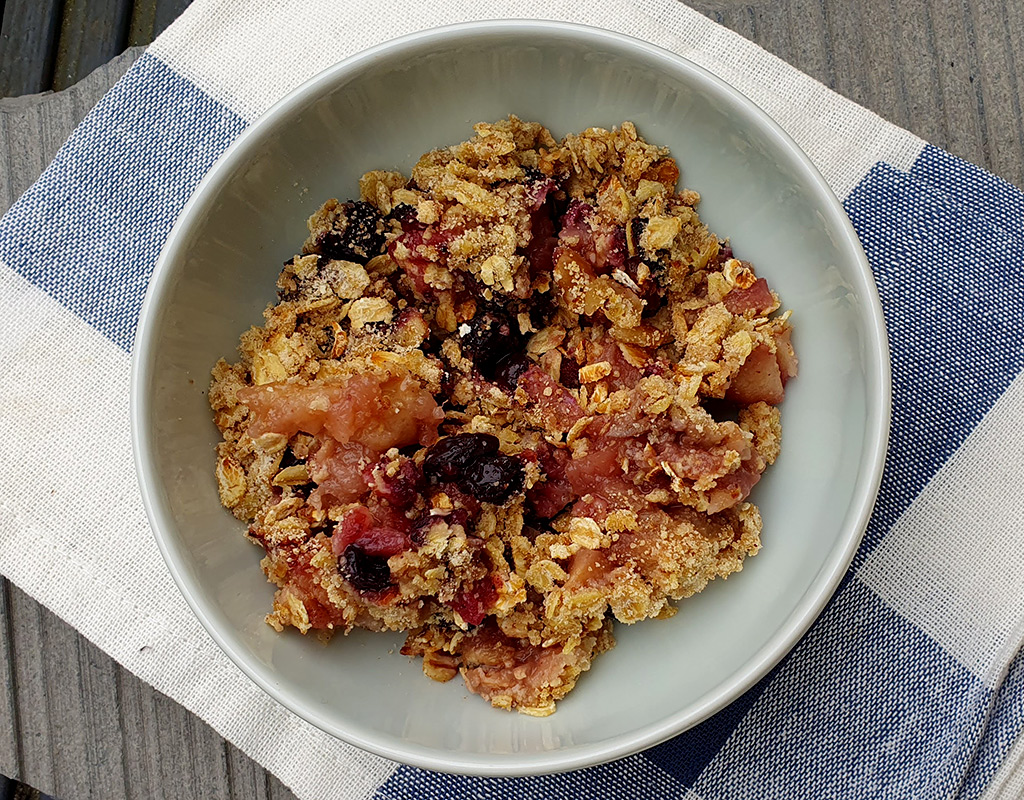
[[804, 614]]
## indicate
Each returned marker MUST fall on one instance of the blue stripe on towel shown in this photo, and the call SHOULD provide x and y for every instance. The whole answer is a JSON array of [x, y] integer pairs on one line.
[[867, 705], [1003, 729], [100, 213], [633, 778], [988, 195], [951, 283]]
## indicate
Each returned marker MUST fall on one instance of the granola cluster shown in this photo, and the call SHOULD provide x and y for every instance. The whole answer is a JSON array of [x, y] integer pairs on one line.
[[502, 403]]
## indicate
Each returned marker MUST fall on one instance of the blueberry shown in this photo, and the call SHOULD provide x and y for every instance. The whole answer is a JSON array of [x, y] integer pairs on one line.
[[360, 239], [473, 463], [450, 457], [494, 478], [365, 572]]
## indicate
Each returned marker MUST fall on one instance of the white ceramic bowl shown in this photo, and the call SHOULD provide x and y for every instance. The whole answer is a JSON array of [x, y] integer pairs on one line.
[[382, 109]]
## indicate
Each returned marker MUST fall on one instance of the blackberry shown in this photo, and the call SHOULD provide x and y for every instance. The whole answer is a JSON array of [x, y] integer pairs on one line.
[[361, 238], [405, 215], [490, 337]]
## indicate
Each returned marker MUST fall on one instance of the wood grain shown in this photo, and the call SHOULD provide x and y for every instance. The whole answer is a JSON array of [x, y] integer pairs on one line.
[[91, 33], [951, 71], [150, 17], [28, 41], [81, 726]]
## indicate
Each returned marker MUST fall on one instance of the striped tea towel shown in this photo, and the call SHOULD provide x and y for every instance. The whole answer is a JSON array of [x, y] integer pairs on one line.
[[910, 685]]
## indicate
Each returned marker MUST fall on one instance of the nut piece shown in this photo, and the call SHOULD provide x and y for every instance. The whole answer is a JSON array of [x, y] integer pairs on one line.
[[594, 372], [230, 482], [585, 532], [367, 310], [439, 667], [544, 340], [295, 475]]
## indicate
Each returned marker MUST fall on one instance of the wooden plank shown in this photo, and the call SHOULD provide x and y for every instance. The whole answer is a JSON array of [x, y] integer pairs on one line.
[[9, 733], [168, 751], [28, 41], [91, 729], [997, 86], [142, 29], [33, 128], [151, 17], [166, 12], [92, 32], [35, 721]]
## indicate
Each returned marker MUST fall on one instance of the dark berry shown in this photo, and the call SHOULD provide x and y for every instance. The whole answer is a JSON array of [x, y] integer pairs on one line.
[[614, 248], [724, 252], [405, 215], [401, 489], [324, 340], [508, 369], [361, 238], [542, 308], [288, 459], [490, 336], [494, 478], [540, 251], [569, 374], [365, 572], [636, 230], [577, 215], [450, 457], [421, 528]]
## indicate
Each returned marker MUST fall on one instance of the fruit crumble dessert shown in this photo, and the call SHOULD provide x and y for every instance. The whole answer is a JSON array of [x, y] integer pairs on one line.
[[504, 403]]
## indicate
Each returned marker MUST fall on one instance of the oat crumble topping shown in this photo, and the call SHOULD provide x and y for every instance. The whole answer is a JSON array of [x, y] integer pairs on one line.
[[502, 404]]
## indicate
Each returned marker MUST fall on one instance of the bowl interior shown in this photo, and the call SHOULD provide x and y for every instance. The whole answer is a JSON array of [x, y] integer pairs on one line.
[[382, 110]]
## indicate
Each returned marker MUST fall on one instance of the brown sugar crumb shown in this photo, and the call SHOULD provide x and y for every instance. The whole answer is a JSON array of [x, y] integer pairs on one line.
[[502, 404]]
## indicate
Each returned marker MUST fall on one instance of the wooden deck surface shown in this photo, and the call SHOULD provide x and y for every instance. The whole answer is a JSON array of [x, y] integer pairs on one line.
[[52, 44], [951, 71]]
